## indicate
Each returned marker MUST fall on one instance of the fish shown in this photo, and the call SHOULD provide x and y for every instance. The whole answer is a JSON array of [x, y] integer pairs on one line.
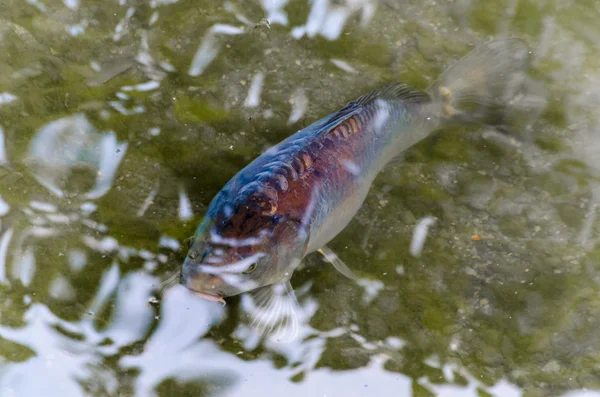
[[297, 196]]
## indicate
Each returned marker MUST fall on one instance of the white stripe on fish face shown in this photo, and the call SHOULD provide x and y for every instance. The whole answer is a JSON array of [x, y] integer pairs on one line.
[[236, 267], [239, 282], [215, 238]]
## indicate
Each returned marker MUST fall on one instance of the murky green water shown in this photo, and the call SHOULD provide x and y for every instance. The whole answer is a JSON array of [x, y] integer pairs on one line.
[[121, 119]]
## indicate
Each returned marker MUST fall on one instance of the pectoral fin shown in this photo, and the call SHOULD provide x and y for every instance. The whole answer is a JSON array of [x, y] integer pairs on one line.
[[273, 311], [337, 262], [171, 281]]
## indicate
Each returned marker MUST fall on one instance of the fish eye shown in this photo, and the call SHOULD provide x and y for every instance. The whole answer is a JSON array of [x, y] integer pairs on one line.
[[250, 269]]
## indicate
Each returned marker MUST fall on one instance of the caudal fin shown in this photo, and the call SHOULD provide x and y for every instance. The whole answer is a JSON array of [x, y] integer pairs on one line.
[[479, 87]]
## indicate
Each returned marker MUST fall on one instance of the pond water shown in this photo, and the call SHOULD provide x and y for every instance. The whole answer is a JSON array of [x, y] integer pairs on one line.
[[121, 119]]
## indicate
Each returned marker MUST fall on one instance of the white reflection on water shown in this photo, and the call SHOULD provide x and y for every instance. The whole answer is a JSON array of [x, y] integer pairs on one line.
[[169, 242], [185, 206], [42, 206], [148, 201], [122, 27], [502, 388], [133, 315], [328, 20], [147, 86], [4, 207], [61, 289], [586, 236], [39, 5], [63, 364], [72, 4], [26, 268], [420, 234], [73, 143], [299, 102], [77, 29], [153, 69], [4, 243], [3, 156], [582, 393], [211, 44], [176, 349], [23, 259], [371, 289], [275, 12], [255, 90], [345, 66], [157, 3], [228, 6], [7, 97], [77, 260]]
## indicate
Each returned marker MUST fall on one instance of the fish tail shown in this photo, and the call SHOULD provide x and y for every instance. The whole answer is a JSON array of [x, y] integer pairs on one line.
[[480, 87]]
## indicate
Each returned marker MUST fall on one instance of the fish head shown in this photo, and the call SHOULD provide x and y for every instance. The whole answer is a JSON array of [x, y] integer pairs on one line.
[[241, 246]]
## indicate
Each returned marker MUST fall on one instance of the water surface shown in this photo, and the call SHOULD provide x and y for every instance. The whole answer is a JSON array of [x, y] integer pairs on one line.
[[119, 121]]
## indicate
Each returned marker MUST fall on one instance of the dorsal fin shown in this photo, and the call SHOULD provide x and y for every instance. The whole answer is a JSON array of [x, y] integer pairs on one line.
[[397, 92]]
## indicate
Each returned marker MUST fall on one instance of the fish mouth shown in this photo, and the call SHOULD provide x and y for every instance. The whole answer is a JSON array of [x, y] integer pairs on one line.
[[209, 297]]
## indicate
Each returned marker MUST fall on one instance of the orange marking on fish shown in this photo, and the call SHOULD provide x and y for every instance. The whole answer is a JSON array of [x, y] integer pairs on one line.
[[306, 160], [272, 210], [345, 131], [353, 124]]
